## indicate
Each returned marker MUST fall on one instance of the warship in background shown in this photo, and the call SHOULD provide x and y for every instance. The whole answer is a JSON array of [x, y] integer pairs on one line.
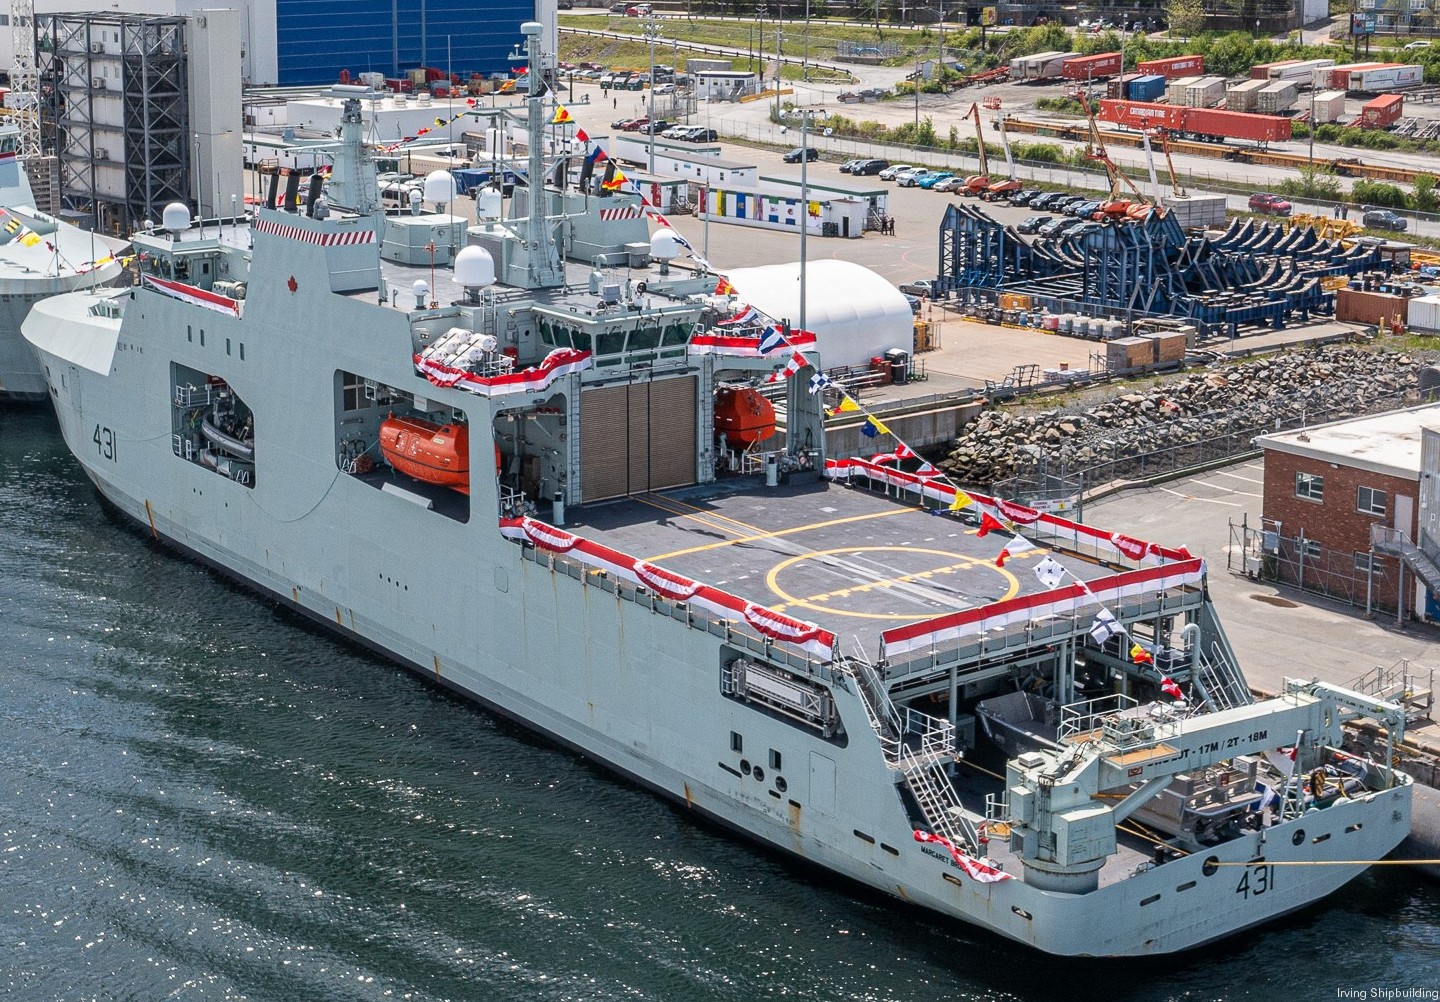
[[810, 650], [39, 256]]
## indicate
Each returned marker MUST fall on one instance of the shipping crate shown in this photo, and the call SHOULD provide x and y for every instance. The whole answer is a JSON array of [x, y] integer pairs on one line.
[[1129, 353]]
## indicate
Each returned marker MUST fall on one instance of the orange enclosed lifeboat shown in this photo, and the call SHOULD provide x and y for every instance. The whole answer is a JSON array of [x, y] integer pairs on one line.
[[743, 415], [434, 453]]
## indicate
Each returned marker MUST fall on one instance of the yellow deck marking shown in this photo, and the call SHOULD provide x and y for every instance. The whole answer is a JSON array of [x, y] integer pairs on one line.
[[964, 563], [681, 505], [761, 536]]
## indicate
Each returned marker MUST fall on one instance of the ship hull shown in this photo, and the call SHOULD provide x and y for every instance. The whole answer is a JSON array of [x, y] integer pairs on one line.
[[636, 690], [21, 379]]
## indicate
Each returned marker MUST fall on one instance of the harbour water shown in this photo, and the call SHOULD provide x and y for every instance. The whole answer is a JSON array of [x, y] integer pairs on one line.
[[205, 797]]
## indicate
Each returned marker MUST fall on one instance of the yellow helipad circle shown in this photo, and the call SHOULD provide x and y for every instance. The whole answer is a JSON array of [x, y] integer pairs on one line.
[[811, 603]]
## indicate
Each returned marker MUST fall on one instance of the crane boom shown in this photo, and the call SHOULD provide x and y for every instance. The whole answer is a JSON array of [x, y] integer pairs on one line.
[[980, 138], [24, 82]]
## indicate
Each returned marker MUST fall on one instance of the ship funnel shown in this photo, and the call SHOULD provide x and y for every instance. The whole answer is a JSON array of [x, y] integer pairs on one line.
[[175, 217]]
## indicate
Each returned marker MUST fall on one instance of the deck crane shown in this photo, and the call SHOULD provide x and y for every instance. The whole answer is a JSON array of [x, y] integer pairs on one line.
[[976, 183], [1001, 188], [1115, 206], [24, 83]]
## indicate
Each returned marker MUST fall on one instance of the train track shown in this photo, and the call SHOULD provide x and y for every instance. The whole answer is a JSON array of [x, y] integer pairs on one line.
[[1343, 166]]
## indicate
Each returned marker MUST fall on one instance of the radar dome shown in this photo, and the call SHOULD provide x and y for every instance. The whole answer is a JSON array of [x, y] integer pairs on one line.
[[474, 268], [489, 204], [439, 186], [665, 245], [176, 217], [421, 288]]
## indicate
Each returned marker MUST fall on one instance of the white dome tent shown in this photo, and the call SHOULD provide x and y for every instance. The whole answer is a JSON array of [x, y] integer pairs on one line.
[[854, 313]]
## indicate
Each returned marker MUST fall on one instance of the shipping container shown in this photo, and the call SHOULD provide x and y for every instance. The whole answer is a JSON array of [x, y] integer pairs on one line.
[[1361, 307], [1386, 78], [1103, 64], [1206, 92], [1046, 66], [1276, 97], [1175, 88], [1423, 314], [1340, 75], [1381, 112], [1241, 96], [1120, 86], [1302, 72], [1262, 71], [1172, 67], [1329, 106], [1150, 87], [1203, 123]]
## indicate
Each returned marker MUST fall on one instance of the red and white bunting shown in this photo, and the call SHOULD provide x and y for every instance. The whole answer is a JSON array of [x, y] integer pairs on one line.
[[194, 295], [818, 643], [560, 362], [740, 345], [1016, 513], [973, 868], [666, 584], [1135, 549], [746, 316]]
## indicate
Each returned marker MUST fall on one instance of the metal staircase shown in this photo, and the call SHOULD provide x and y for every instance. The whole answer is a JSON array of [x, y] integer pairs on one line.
[[918, 746], [1220, 681], [1384, 539]]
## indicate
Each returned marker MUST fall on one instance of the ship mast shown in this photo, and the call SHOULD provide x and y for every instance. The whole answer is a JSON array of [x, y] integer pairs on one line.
[[544, 270]]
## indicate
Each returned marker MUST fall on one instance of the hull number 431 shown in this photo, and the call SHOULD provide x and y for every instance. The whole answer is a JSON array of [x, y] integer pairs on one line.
[[1255, 881], [104, 440]]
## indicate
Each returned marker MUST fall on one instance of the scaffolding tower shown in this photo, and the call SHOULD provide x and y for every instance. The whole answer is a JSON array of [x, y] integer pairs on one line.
[[114, 107]]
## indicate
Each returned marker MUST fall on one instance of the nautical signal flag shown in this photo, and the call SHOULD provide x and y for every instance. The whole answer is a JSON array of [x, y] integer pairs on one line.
[[441, 122], [796, 363], [772, 339], [1140, 655], [988, 523], [1169, 687], [581, 136], [745, 316], [1050, 572], [873, 426], [963, 501], [561, 116], [845, 406], [723, 287], [818, 382], [1105, 626], [615, 182], [1017, 545]]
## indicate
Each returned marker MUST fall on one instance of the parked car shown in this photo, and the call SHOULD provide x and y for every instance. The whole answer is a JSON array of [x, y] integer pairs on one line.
[[1032, 224], [912, 179], [619, 8], [664, 88], [1063, 203], [800, 153], [702, 135], [891, 172], [915, 302], [1076, 232], [564, 5], [849, 165], [1417, 45], [1024, 196], [871, 167], [1268, 204], [1046, 200], [948, 184], [1381, 219], [636, 125], [921, 287], [1085, 208], [639, 10], [1058, 226], [935, 177]]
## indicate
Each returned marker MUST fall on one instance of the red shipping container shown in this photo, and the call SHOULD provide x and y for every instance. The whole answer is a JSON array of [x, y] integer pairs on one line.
[[1104, 64], [1142, 114], [1116, 87], [1381, 113], [1237, 125], [1173, 67], [1262, 72]]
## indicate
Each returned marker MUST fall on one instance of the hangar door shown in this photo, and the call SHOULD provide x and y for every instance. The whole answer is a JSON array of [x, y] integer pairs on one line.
[[637, 437]]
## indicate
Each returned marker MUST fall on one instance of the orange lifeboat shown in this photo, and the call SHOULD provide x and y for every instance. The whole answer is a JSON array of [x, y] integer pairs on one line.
[[743, 415], [434, 453]]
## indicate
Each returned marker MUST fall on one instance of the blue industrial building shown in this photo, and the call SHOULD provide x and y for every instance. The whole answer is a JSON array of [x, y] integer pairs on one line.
[[316, 39]]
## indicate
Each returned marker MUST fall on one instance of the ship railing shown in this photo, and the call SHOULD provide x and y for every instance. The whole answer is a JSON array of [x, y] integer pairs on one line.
[[188, 395], [879, 708], [1411, 687], [1082, 718], [997, 809]]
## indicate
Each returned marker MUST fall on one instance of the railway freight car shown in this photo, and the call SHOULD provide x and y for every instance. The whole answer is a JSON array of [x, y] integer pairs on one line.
[[1203, 124]]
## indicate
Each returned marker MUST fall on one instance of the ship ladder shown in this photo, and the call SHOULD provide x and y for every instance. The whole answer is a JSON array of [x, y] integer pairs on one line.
[[1218, 681]]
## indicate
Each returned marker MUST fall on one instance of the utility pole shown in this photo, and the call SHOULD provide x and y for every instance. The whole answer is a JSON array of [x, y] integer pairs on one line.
[[652, 31]]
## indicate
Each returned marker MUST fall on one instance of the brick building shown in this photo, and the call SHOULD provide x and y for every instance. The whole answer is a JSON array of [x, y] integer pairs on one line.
[[1327, 486]]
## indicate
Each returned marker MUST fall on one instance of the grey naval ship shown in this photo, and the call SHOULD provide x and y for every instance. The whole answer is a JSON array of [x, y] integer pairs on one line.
[[39, 256], [822, 653]]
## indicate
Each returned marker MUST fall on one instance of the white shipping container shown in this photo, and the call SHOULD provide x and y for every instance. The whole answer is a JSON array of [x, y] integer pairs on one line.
[[1241, 96], [1175, 89], [1303, 72], [1387, 78], [1277, 96], [1205, 92], [1329, 106], [1423, 313], [1046, 65]]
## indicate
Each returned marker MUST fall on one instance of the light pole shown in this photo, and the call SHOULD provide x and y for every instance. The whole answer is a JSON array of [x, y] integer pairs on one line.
[[652, 31], [804, 204]]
